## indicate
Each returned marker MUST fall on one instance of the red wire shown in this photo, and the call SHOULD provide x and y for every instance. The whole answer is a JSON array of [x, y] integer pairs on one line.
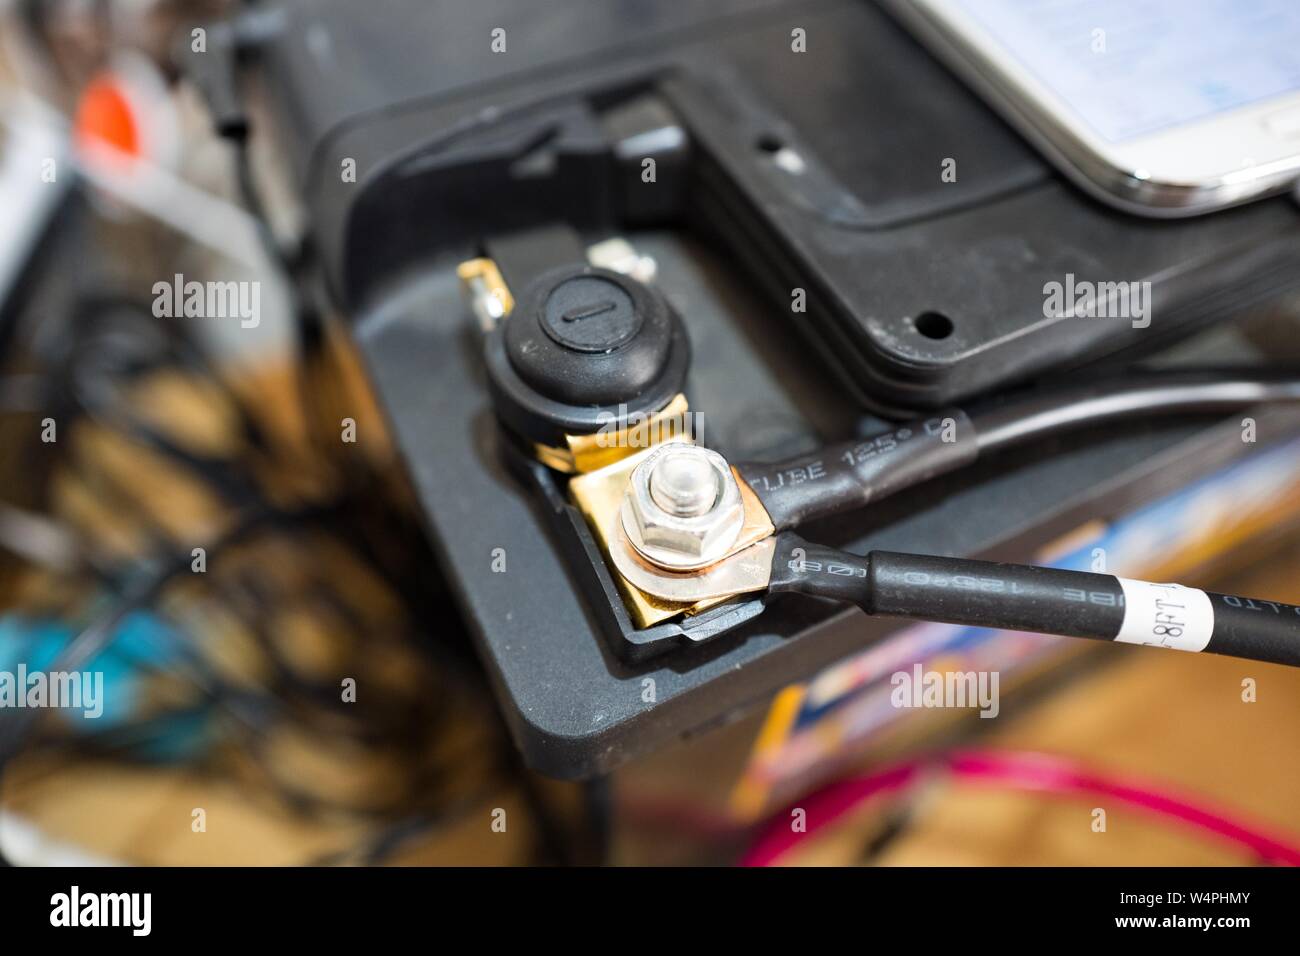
[[1021, 771]]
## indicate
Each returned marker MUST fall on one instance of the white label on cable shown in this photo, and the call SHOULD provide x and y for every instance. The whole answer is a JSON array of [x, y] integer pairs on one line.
[[1165, 615]]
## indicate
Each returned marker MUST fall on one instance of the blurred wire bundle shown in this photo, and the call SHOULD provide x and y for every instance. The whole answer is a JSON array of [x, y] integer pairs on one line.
[[308, 573], [253, 584]]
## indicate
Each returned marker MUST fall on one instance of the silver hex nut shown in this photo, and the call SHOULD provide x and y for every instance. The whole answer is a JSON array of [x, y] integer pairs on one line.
[[682, 509]]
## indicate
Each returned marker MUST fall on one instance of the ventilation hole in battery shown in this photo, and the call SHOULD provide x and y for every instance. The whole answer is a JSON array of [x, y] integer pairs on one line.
[[933, 325], [783, 157]]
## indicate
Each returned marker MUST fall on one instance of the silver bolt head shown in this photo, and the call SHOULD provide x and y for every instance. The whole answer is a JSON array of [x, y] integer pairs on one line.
[[715, 512], [685, 485]]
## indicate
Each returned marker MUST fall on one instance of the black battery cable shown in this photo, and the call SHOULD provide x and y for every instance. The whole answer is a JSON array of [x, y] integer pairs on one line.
[[849, 475], [1044, 600]]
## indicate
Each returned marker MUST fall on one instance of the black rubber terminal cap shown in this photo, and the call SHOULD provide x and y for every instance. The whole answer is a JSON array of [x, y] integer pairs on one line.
[[588, 336], [585, 343], [588, 313]]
